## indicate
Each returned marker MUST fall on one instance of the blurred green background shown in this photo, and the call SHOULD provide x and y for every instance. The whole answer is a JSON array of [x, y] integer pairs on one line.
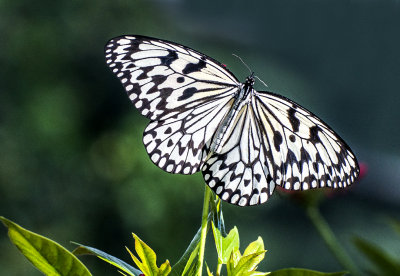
[[72, 163]]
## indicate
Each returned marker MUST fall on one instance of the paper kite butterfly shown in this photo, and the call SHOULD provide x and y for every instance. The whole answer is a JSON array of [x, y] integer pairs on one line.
[[244, 141]]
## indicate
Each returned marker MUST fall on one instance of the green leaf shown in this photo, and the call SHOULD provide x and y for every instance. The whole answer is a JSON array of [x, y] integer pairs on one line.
[[303, 272], [164, 269], [147, 263], [185, 263], [46, 255], [225, 245], [383, 261], [256, 247], [191, 263], [232, 261], [123, 266], [247, 264], [235, 257], [209, 273]]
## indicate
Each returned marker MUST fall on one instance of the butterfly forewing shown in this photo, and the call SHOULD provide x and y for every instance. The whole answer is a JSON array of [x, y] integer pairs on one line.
[[163, 79], [185, 93]]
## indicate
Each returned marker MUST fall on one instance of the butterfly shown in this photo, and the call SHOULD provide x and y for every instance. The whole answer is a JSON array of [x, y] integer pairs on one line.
[[244, 141]]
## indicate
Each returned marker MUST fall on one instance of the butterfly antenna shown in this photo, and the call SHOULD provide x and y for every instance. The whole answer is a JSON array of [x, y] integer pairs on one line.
[[243, 63], [261, 81], [251, 72]]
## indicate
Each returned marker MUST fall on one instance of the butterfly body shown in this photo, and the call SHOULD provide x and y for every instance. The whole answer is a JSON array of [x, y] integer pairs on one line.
[[241, 98], [244, 141]]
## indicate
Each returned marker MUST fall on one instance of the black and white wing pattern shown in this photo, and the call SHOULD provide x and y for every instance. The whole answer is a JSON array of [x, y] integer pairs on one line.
[[239, 174], [277, 142], [184, 93], [304, 152], [202, 118]]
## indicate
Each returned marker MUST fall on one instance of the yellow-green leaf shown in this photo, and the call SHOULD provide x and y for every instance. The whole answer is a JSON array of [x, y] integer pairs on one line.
[[147, 263], [46, 255], [139, 264], [233, 260], [248, 263], [225, 245], [146, 255], [209, 273], [254, 247], [165, 268]]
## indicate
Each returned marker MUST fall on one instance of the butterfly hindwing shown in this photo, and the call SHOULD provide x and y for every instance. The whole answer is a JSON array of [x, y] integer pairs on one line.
[[304, 152], [177, 145], [238, 174]]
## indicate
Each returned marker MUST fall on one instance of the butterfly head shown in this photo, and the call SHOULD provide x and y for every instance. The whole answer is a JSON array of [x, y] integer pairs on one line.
[[250, 80]]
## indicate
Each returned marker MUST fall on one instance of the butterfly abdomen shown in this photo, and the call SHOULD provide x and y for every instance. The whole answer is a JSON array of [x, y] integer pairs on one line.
[[224, 131]]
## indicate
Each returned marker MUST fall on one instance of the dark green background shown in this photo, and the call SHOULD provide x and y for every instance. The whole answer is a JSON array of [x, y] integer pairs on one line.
[[72, 163]]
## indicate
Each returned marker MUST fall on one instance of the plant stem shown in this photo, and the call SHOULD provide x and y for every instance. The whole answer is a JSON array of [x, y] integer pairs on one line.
[[219, 266], [204, 222], [329, 237]]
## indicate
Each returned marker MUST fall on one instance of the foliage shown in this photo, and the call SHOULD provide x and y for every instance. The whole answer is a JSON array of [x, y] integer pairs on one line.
[[147, 262], [384, 263], [46, 255], [52, 259], [121, 265]]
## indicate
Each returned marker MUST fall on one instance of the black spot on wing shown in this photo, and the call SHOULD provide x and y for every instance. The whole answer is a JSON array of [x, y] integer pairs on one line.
[[314, 134], [194, 67], [143, 75], [291, 157], [277, 140], [168, 59], [180, 79], [295, 122], [304, 155], [168, 130], [187, 93], [315, 166]]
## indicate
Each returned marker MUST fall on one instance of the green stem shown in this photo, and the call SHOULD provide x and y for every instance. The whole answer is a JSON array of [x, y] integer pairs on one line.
[[219, 266], [204, 222], [329, 237]]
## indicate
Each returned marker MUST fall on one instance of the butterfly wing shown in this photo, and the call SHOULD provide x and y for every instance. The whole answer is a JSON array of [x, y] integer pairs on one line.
[[303, 151], [178, 145], [238, 173], [277, 142], [185, 94]]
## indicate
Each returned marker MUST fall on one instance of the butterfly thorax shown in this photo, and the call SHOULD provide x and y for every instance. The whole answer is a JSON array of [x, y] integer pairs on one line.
[[241, 98]]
